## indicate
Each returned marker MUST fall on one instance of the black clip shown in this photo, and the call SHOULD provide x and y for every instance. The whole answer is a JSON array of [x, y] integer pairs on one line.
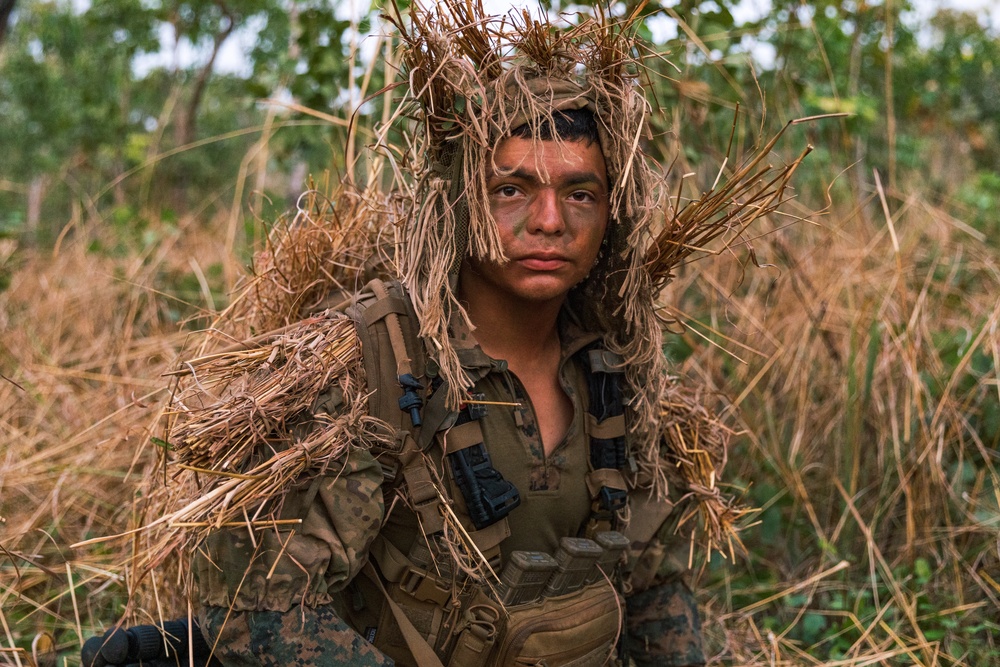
[[612, 500], [410, 401], [475, 410], [488, 496]]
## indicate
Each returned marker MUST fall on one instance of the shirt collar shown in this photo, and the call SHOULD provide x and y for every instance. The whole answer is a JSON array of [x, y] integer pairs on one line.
[[573, 337]]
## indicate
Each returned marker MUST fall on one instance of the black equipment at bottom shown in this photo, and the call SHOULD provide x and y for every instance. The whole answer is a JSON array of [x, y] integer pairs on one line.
[[148, 645]]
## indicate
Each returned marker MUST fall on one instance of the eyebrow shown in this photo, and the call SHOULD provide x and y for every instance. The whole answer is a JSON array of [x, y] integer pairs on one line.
[[571, 178]]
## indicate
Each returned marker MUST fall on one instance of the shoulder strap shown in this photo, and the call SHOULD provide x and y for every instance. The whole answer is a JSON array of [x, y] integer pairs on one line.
[[421, 650], [392, 352]]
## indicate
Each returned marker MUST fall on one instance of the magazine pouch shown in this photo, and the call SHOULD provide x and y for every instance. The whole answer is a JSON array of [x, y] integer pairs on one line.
[[578, 629]]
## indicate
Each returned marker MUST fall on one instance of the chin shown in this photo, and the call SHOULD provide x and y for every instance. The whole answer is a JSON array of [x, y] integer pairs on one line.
[[543, 290], [526, 287]]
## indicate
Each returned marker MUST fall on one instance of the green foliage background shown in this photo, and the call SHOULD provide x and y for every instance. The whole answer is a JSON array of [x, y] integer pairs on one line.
[[83, 121]]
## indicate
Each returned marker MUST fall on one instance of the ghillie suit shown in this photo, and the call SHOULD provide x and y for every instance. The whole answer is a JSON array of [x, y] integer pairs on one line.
[[295, 411], [473, 82]]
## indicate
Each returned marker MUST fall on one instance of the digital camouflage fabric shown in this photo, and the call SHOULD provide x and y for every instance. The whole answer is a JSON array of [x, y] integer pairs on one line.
[[663, 626], [316, 636], [305, 563]]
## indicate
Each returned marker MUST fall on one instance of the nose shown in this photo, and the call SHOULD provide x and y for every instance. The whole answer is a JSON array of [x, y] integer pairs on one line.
[[546, 214]]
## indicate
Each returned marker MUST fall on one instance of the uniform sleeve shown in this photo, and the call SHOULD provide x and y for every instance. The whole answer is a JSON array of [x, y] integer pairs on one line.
[[294, 414], [267, 600], [302, 637], [663, 626], [305, 564], [662, 623]]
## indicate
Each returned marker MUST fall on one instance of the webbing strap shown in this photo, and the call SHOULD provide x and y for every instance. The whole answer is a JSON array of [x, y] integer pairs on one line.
[[419, 483], [383, 308], [609, 477], [612, 427], [391, 560], [462, 436], [419, 648], [489, 538], [423, 495], [436, 416], [396, 338]]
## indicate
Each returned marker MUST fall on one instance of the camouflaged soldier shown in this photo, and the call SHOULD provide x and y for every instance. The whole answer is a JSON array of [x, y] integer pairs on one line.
[[518, 373]]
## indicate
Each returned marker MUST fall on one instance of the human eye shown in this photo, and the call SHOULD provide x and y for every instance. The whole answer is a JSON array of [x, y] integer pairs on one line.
[[582, 196], [505, 190]]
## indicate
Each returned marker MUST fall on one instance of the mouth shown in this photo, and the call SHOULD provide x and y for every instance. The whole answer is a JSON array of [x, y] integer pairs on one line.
[[543, 261]]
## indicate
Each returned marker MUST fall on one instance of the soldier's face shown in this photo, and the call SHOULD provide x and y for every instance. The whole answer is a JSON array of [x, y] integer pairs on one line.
[[550, 202]]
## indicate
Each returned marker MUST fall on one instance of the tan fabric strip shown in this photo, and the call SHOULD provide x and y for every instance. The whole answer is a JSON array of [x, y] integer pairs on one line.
[[462, 436], [420, 487], [609, 477], [491, 536], [391, 560], [646, 566], [384, 307], [612, 427], [423, 495], [431, 520], [554, 94], [647, 515], [396, 338]]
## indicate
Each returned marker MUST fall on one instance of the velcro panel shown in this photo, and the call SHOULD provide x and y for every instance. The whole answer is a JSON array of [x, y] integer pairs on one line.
[[605, 361]]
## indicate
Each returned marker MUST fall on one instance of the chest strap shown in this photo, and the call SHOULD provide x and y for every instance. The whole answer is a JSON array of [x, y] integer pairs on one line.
[[489, 497], [485, 497]]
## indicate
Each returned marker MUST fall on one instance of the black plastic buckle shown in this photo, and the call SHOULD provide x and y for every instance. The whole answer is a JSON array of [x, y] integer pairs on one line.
[[488, 496], [612, 500], [410, 401]]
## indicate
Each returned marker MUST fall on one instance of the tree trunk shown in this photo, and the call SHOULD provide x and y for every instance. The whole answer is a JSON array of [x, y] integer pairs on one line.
[[36, 195], [187, 125], [6, 9]]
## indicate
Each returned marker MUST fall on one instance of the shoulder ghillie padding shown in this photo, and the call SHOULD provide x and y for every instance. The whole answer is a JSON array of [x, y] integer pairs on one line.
[[251, 421], [317, 258]]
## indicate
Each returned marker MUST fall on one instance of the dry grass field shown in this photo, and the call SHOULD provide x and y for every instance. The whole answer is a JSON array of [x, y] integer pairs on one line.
[[857, 358]]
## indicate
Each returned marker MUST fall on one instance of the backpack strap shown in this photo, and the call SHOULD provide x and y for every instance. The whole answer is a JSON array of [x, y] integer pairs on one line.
[[606, 428], [392, 352]]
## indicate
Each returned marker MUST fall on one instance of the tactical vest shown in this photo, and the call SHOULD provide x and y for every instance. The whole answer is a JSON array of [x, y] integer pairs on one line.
[[421, 607]]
